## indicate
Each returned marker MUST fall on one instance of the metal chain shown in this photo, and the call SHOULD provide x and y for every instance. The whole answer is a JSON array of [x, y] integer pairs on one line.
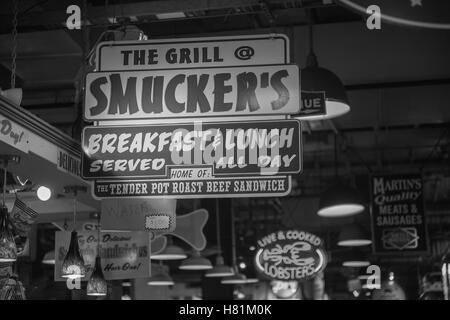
[[14, 45]]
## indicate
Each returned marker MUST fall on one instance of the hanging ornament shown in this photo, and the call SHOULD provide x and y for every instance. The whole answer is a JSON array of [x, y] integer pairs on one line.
[[97, 285], [12, 289], [73, 265], [8, 249]]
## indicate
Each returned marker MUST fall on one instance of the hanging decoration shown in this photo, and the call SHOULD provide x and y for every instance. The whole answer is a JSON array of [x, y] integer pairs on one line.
[[8, 248], [97, 285], [73, 264], [12, 289]]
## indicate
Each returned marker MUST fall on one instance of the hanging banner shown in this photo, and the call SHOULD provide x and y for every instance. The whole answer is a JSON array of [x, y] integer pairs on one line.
[[290, 255], [193, 52], [192, 151], [124, 255], [398, 214], [216, 92], [156, 215]]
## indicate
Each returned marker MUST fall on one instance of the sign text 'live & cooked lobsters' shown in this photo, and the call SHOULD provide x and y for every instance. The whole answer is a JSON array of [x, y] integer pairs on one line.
[[290, 255]]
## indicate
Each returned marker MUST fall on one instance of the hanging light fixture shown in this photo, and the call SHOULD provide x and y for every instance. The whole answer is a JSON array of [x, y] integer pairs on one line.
[[196, 262], [320, 80], [49, 258], [73, 264], [43, 193], [161, 277], [353, 235], [355, 259], [445, 269], [220, 269], [339, 200], [237, 277], [97, 285], [170, 252], [8, 248]]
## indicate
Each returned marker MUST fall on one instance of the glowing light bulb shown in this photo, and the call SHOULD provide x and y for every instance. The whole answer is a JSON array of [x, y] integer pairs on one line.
[[44, 193]]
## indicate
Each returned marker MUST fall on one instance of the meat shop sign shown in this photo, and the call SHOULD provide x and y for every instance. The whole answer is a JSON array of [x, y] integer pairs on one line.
[[290, 255]]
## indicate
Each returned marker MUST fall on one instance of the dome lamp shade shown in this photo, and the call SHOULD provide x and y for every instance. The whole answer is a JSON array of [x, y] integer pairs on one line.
[[49, 258], [355, 259], [317, 79], [161, 277], [171, 252], [339, 201], [196, 262], [220, 269], [236, 278], [353, 235]]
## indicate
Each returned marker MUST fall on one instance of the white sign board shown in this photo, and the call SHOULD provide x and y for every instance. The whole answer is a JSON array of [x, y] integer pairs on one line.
[[215, 92], [193, 53]]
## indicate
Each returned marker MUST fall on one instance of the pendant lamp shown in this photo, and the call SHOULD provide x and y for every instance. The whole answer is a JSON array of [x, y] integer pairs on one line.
[[196, 262], [339, 200], [97, 285], [170, 252], [73, 263], [353, 235], [445, 269], [161, 277], [8, 248], [237, 277], [356, 259], [220, 269], [317, 80], [49, 258]]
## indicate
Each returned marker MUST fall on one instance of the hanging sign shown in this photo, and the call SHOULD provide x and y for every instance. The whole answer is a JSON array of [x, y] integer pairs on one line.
[[290, 255], [398, 214], [13, 134], [156, 215], [313, 104], [271, 186], [193, 52], [192, 151], [68, 163], [124, 255], [215, 92]]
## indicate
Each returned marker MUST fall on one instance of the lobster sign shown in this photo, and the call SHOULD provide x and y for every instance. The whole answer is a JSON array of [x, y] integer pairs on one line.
[[290, 255]]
